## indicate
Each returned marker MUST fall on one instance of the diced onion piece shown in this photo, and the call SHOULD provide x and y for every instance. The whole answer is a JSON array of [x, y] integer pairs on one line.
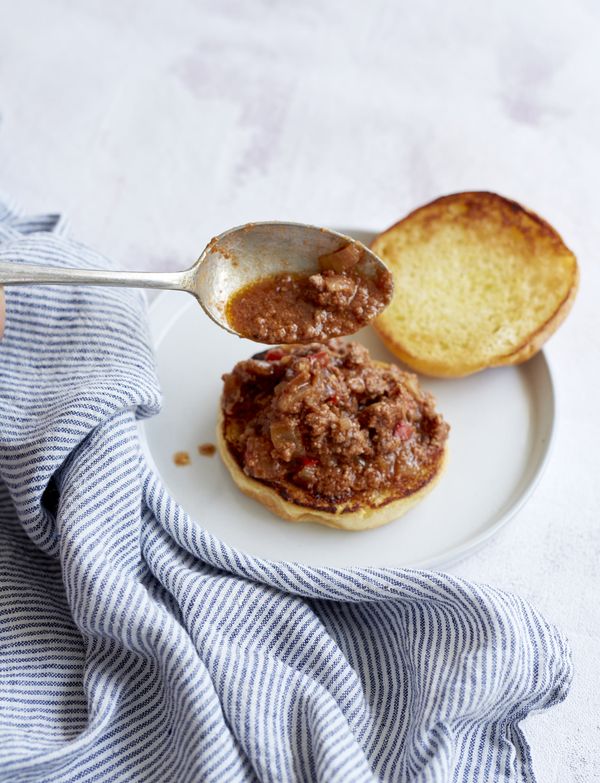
[[286, 439], [341, 260], [291, 398]]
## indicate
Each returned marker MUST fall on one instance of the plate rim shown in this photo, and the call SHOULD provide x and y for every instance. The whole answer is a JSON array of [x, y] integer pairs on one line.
[[162, 313]]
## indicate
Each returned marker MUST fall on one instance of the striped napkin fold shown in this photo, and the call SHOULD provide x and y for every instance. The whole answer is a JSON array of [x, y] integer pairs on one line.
[[136, 646]]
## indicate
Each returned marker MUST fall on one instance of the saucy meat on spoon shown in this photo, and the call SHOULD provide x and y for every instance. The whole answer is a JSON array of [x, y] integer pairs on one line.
[[339, 299]]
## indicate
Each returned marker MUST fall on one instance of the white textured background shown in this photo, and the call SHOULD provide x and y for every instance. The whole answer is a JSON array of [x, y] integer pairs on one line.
[[155, 125]]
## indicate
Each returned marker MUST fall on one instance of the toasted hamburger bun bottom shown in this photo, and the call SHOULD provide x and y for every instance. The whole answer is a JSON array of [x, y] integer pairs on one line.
[[364, 518]]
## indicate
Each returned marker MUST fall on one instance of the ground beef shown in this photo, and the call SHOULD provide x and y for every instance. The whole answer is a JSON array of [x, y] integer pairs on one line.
[[325, 422]]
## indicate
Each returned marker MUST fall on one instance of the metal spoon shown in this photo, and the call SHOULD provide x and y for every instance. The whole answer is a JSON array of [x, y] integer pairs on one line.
[[230, 261]]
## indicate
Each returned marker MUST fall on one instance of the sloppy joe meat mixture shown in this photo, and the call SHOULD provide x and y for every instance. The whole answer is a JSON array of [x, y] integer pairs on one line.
[[337, 300], [325, 425]]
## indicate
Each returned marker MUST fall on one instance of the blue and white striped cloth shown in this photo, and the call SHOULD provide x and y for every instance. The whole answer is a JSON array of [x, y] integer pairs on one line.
[[135, 646]]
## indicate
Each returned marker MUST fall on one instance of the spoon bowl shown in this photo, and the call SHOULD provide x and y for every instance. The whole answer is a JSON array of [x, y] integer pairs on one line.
[[252, 252]]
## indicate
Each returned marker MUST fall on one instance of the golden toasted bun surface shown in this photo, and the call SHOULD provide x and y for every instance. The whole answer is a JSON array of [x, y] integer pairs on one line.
[[479, 281], [383, 511]]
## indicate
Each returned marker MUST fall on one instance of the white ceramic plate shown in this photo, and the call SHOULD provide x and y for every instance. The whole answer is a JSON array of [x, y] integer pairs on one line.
[[501, 420]]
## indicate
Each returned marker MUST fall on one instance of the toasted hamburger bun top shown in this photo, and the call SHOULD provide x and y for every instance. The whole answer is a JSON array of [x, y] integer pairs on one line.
[[480, 281]]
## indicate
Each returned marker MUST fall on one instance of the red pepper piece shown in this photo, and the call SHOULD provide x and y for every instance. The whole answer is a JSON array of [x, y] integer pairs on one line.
[[308, 462], [403, 430], [320, 357], [274, 355]]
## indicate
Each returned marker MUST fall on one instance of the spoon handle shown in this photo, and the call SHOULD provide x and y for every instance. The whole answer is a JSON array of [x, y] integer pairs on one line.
[[19, 274]]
